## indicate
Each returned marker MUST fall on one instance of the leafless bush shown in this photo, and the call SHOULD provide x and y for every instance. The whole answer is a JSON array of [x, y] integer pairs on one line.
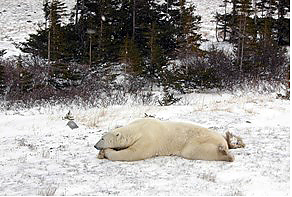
[[30, 81], [217, 69]]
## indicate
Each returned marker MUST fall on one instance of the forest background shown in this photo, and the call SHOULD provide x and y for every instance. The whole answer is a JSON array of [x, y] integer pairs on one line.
[[112, 48]]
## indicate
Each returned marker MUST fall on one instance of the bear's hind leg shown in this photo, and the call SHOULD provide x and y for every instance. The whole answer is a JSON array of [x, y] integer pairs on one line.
[[225, 153], [206, 151]]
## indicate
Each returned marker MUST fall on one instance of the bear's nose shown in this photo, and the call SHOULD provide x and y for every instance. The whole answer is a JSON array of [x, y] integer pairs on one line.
[[95, 146]]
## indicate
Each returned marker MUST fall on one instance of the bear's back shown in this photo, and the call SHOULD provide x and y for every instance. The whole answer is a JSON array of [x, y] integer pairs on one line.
[[151, 125], [146, 126], [168, 130]]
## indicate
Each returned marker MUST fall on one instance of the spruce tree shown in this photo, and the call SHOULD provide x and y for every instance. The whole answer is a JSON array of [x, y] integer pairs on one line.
[[244, 32], [25, 77], [62, 75], [2, 78], [222, 31], [188, 40], [46, 10], [56, 46], [256, 35], [113, 21], [283, 23], [269, 55], [131, 57], [157, 56]]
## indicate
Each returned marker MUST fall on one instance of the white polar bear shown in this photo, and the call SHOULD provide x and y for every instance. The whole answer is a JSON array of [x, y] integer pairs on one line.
[[149, 137]]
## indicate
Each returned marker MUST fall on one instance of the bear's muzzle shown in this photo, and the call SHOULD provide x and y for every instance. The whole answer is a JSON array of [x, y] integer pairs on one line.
[[97, 147]]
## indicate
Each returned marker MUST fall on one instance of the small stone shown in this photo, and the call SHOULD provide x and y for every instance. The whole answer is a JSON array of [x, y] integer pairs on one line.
[[72, 124]]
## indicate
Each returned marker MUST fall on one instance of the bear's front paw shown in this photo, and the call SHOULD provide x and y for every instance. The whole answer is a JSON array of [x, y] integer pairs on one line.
[[101, 154], [108, 152]]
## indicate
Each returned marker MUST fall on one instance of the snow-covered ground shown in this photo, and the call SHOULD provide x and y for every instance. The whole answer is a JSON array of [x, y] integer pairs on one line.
[[40, 155]]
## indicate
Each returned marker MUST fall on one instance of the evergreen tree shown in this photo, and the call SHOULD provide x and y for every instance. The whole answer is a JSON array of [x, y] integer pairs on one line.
[[115, 21], [63, 75], [283, 23], [145, 14], [56, 47], [222, 31], [188, 39], [131, 57], [25, 78], [244, 32], [157, 57], [255, 32], [46, 10], [2, 78], [269, 56]]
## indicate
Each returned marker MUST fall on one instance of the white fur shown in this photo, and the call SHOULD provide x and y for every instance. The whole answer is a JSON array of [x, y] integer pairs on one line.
[[148, 137]]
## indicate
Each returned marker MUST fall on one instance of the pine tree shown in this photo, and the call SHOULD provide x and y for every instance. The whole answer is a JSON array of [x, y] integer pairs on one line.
[[56, 45], [283, 23], [188, 41], [270, 56], [255, 32], [113, 21], [157, 56], [2, 78], [63, 75], [131, 57], [46, 11], [222, 30], [144, 14], [244, 30], [25, 78]]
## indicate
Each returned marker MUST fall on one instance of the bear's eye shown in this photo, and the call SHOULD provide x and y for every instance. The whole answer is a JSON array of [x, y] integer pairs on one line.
[[117, 134], [102, 138]]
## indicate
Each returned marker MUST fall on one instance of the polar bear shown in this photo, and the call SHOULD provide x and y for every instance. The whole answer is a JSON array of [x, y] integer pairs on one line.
[[149, 137]]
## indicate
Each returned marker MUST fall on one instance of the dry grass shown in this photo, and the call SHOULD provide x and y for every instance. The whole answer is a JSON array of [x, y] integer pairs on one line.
[[23, 142], [49, 191], [243, 103], [208, 177], [91, 118]]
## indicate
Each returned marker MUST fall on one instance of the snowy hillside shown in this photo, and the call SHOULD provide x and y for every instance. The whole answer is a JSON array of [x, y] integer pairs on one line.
[[40, 155], [19, 18]]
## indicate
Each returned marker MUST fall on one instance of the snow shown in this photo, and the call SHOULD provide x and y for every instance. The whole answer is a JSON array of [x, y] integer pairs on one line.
[[41, 155]]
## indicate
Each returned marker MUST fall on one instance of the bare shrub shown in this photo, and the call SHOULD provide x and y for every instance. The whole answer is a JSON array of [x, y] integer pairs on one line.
[[49, 191]]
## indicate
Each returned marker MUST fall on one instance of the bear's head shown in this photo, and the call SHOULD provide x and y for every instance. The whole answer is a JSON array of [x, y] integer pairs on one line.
[[113, 140]]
